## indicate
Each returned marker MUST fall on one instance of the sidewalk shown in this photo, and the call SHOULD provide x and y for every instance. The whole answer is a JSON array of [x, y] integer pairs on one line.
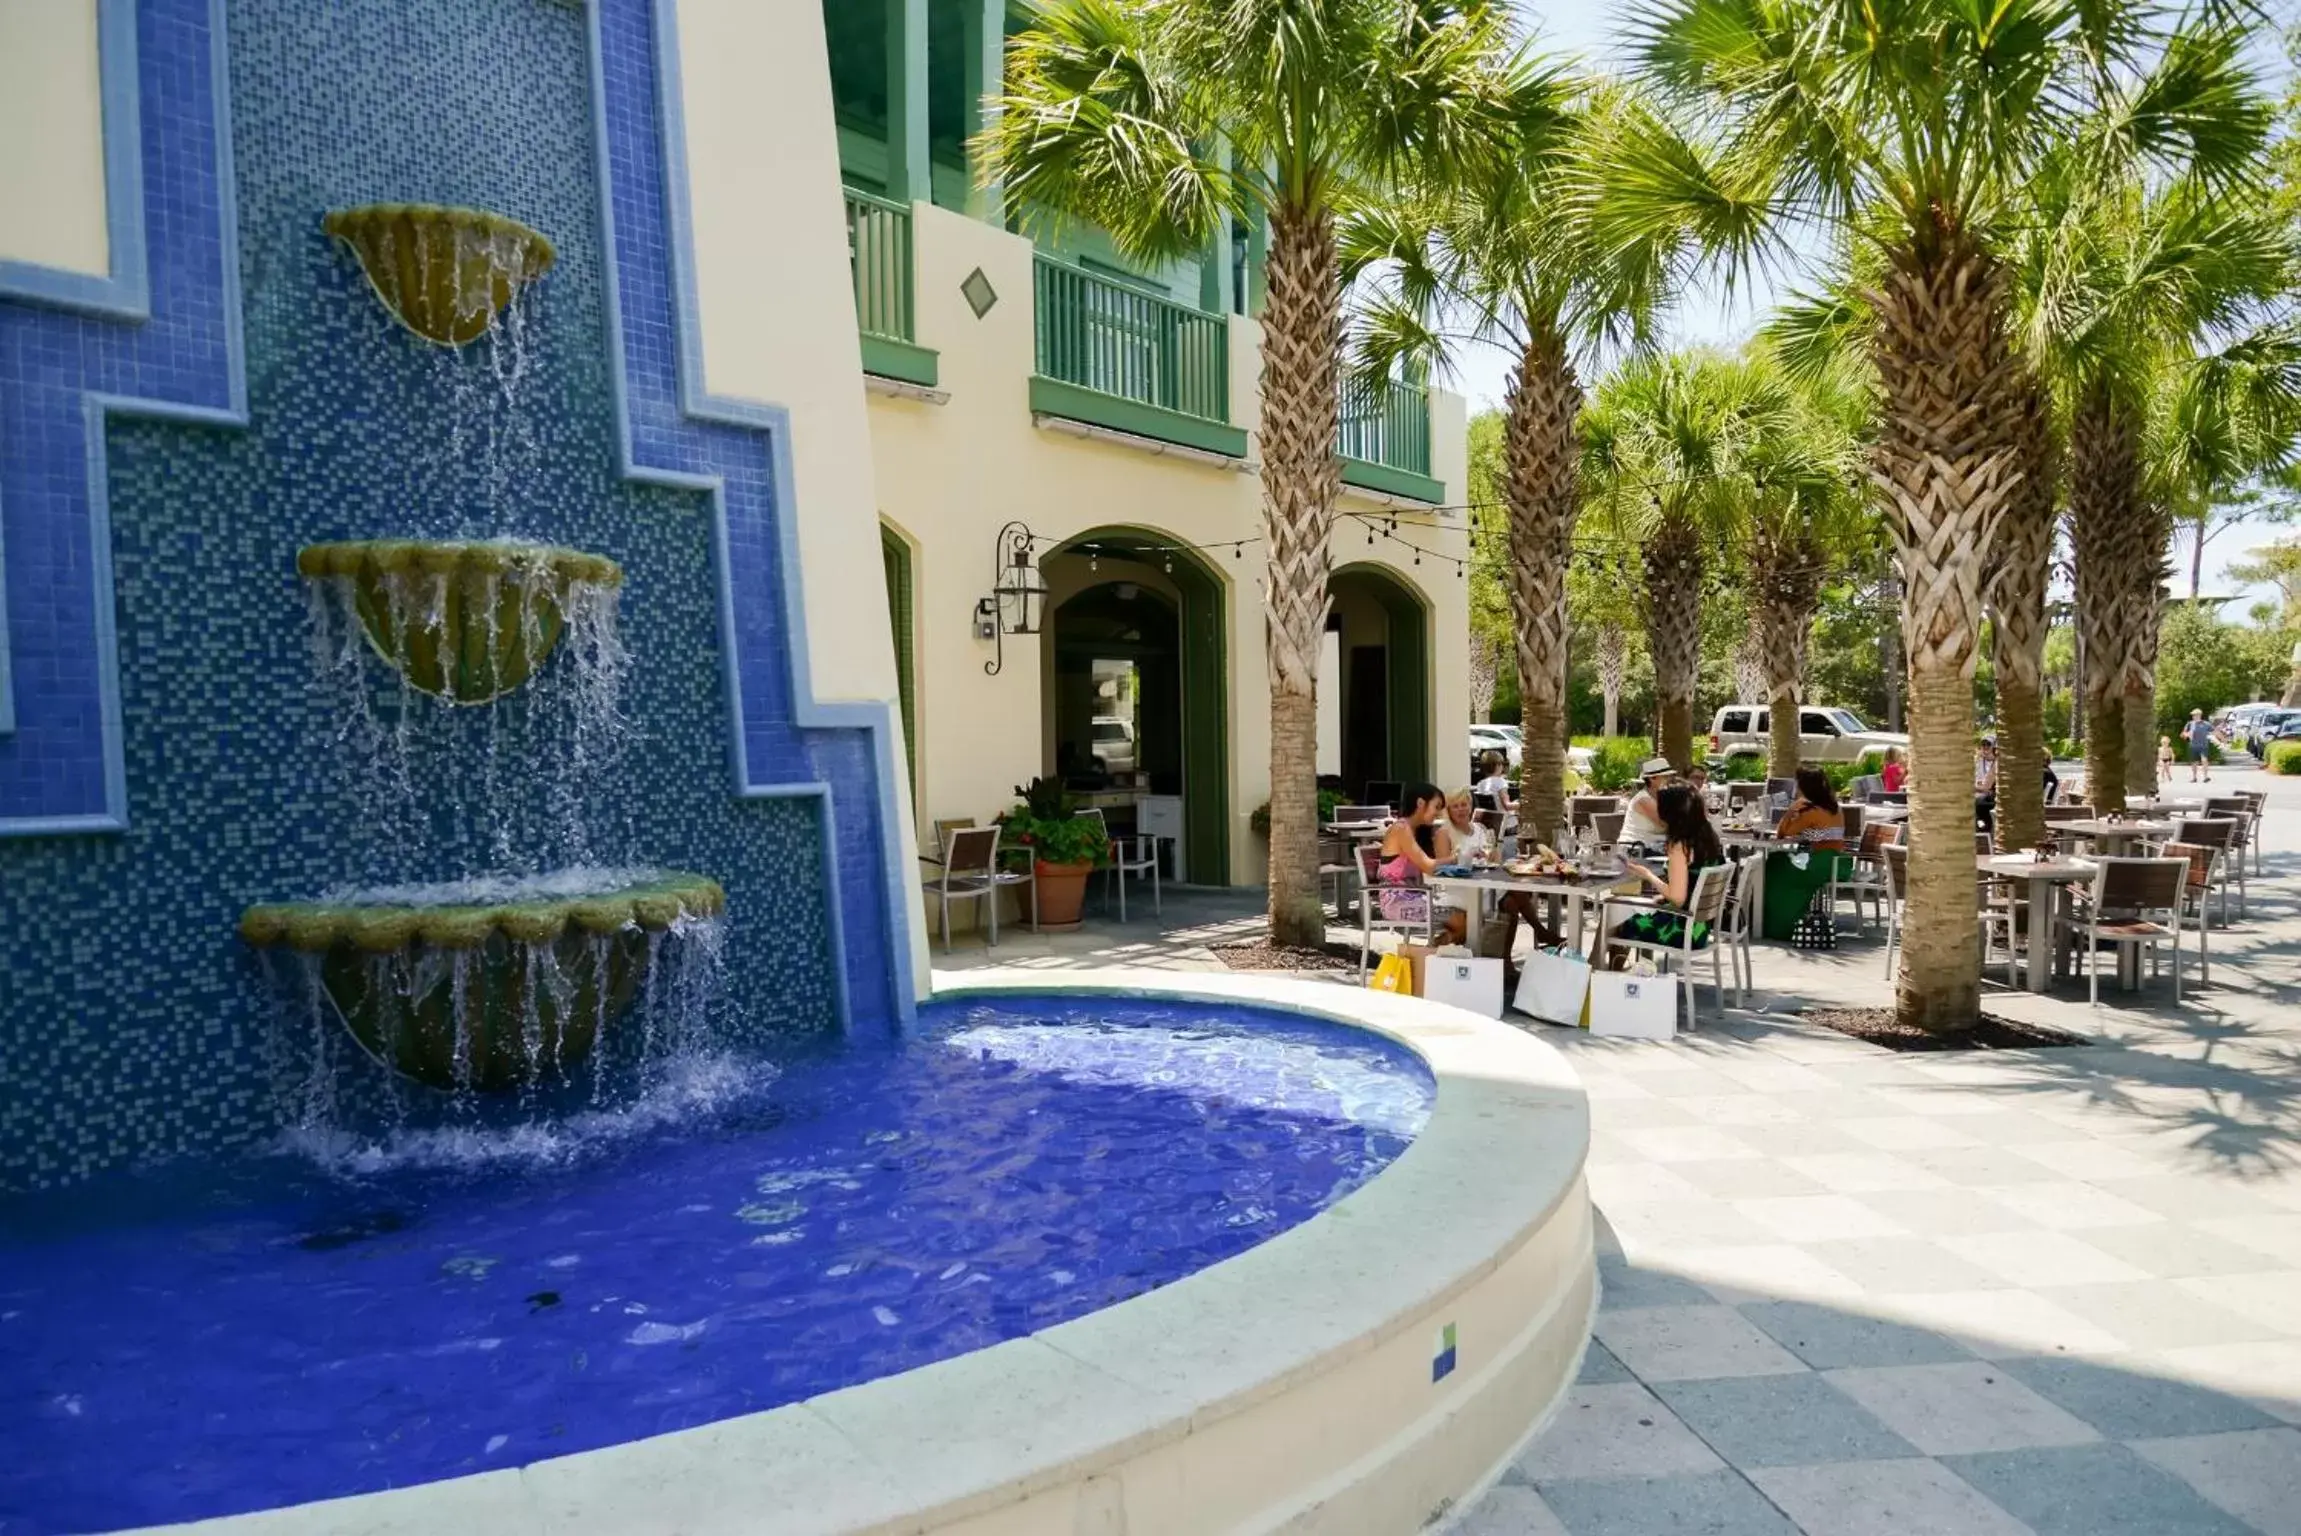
[[1851, 1292]]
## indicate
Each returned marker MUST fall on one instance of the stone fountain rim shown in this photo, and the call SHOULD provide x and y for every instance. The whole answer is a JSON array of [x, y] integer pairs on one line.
[[354, 558], [654, 905]]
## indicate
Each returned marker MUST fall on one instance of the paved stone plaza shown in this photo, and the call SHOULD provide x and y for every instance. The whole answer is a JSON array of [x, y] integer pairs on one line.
[[1850, 1292]]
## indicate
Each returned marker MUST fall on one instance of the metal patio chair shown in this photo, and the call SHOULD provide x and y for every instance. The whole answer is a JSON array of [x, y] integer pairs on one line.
[[1370, 913], [1705, 908], [1128, 856], [969, 871], [2135, 905]]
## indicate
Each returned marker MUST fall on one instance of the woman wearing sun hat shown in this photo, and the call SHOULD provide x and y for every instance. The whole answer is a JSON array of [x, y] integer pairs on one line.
[[1642, 823]]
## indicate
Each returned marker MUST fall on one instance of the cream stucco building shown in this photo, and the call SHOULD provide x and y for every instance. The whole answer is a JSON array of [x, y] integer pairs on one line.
[[1047, 387]]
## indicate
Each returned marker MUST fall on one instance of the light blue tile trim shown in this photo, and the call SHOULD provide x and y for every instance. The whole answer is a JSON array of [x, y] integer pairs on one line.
[[878, 719], [125, 293], [115, 16]]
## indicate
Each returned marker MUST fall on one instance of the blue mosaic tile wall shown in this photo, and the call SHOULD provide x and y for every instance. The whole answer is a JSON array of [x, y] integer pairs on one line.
[[131, 1019]]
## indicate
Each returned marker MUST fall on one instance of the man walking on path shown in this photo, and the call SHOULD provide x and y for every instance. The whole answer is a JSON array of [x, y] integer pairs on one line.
[[2200, 736]]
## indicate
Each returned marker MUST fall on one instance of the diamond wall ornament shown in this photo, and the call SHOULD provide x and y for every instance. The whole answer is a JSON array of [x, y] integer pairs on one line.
[[979, 293]]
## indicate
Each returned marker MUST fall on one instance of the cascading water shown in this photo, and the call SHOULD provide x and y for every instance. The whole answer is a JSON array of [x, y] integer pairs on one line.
[[505, 980]]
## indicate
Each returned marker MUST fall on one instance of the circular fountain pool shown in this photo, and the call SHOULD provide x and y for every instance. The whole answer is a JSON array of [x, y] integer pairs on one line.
[[354, 1315]]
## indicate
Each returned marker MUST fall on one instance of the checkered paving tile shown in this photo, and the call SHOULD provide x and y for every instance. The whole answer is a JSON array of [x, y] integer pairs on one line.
[[1848, 1293]]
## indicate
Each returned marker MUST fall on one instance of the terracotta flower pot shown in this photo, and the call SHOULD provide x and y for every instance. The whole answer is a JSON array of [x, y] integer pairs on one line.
[[1062, 893]]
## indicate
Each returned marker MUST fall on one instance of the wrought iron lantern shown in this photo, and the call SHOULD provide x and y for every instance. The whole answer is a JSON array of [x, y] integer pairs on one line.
[[1017, 604]]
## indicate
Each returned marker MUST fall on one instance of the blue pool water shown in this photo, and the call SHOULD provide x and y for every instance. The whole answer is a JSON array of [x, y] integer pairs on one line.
[[345, 1315]]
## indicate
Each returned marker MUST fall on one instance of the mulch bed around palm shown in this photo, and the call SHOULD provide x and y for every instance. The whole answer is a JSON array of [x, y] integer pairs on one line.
[[1262, 955], [1880, 1026]]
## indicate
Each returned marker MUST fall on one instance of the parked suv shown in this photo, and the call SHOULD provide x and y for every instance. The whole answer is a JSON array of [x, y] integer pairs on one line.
[[1825, 734]]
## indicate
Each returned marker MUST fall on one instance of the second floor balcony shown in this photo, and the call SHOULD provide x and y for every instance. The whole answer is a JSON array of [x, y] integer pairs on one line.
[[1127, 356]]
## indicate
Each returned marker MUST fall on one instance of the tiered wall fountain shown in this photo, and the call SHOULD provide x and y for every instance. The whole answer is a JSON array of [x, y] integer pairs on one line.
[[498, 982]]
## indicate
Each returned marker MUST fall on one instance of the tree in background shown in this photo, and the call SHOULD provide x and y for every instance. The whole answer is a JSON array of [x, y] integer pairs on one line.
[[1165, 123], [2205, 663], [1664, 441], [1601, 597], [2280, 565], [1504, 254], [1805, 520]]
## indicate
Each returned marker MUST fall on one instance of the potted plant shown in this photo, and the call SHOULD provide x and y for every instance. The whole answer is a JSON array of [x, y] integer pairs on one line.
[[1045, 833]]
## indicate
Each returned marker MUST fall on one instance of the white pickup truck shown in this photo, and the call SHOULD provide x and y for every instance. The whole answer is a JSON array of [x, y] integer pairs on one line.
[[1826, 734]]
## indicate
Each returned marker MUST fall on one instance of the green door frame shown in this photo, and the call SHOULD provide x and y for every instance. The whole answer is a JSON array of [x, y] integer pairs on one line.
[[895, 554], [1407, 638], [1204, 633]]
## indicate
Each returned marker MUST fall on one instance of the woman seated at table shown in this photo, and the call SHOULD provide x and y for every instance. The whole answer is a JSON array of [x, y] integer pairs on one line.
[[1410, 851], [1693, 846], [1642, 817], [1793, 880], [1462, 840], [1814, 815]]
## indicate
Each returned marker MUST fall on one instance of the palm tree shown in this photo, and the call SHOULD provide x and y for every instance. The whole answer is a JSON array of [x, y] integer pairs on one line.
[[1805, 520], [2217, 419], [2120, 289], [1161, 122], [1504, 256], [1664, 444], [1913, 126], [2015, 583]]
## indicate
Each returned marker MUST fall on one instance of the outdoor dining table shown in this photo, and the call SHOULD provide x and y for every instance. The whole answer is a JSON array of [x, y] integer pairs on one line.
[[1495, 882], [2048, 881], [2113, 836]]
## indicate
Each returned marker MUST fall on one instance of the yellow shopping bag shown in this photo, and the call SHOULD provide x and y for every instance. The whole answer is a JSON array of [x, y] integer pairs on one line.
[[1394, 974]]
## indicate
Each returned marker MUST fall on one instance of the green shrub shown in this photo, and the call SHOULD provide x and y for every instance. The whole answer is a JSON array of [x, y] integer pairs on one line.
[[1744, 768], [1329, 801], [1614, 761], [2285, 757], [1842, 775]]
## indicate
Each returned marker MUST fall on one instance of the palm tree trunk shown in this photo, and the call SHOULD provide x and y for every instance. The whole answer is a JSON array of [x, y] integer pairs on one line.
[[1542, 484], [1301, 478], [2105, 537], [1890, 653], [1785, 589], [1943, 466], [1613, 669], [1672, 606], [1785, 631], [2141, 710], [2145, 616], [2020, 572]]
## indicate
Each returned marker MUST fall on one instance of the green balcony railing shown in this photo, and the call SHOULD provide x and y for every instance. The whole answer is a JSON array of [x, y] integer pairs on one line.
[[1116, 340], [879, 242], [1386, 422], [879, 247]]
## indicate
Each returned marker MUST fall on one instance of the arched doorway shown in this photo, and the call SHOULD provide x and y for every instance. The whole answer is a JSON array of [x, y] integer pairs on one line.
[[1375, 704], [1137, 677]]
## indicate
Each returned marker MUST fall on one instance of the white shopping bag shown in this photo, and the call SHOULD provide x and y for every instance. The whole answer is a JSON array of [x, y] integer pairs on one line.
[[1633, 1007], [1466, 983], [1554, 986]]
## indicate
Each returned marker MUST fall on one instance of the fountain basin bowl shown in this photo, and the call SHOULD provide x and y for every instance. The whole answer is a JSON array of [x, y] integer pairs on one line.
[[492, 985], [465, 620], [444, 273]]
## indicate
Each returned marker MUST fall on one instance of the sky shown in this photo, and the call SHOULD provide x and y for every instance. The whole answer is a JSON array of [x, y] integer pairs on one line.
[[1591, 29]]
